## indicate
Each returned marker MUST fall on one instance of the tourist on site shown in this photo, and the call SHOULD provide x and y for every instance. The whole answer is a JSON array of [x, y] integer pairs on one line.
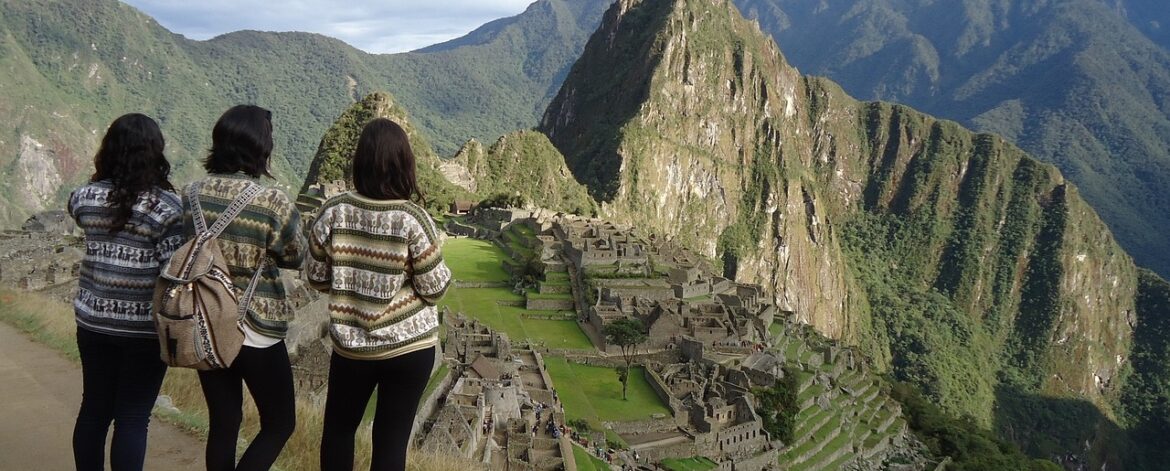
[[266, 235], [131, 219], [376, 252]]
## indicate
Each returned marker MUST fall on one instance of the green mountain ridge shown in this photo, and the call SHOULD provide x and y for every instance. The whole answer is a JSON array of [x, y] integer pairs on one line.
[[71, 67], [1083, 84], [956, 260], [520, 163], [988, 64]]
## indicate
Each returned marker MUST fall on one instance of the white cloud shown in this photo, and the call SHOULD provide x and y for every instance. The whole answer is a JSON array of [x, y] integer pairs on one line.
[[379, 26]]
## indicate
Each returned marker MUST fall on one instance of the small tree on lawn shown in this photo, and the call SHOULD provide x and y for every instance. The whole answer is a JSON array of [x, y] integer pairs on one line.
[[627, 334]]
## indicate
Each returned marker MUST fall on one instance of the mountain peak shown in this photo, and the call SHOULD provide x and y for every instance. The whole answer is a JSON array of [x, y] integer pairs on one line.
[[687, 121], [687, 55], [333, 160]]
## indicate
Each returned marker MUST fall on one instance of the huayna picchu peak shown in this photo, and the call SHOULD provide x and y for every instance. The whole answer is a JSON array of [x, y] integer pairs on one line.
[[521, 163], [960, 263]]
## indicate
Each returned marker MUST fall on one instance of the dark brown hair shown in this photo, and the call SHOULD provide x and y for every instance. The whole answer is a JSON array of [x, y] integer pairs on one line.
[[241, 142], [131, 158], [383, 164]]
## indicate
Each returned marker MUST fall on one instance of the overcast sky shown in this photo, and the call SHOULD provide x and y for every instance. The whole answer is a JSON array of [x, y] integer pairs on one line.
[[379, 26]]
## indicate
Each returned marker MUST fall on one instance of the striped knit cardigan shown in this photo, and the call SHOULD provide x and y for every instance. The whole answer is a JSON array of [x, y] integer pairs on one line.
[[381, 264], [269, 226], [118, 272]]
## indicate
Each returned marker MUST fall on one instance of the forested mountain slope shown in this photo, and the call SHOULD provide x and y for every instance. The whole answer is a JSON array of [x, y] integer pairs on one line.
[[953, 258]]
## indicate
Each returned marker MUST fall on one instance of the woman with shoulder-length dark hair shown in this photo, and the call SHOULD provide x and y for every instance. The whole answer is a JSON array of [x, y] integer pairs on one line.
[[131, 219], [377, 254], [264, 237]]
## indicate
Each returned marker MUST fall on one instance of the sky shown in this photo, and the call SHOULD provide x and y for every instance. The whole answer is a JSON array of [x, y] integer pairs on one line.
[[377, 26]]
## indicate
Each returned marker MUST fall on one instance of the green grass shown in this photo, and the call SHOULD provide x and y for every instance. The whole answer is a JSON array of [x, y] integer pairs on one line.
[[435, 380], [839, 441], [533, 294], [697, 463], [48, 324], [594, 393], [556, 276], [475, 260], [586, 461], [523, 230], [776, 329], [481, 304]]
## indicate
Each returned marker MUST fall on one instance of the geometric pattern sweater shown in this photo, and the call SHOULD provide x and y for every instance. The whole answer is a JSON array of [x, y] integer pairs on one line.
[[381, 263], [119, 269], [269, 226]]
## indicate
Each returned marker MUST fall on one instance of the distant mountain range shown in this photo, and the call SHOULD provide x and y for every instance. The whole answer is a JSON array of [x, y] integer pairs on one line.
[[69, 67], [1084, 84]]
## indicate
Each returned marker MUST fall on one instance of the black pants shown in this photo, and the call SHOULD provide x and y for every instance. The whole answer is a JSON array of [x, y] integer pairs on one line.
[[268, 375], [120, 381], [400, 382]]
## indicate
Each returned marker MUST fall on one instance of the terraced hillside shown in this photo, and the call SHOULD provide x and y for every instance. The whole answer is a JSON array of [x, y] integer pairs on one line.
[[845, 415]]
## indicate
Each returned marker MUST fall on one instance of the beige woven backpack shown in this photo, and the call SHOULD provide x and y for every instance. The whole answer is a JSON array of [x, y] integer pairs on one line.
[[196, 309]]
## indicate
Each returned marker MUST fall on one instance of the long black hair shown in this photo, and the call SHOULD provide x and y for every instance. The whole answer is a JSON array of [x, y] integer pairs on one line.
[[131, 157], [383, 164], [241, 142]]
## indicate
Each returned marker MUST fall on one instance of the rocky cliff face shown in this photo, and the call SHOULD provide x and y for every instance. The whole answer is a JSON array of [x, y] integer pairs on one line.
[[1076, 83], [704, 138], [684, 118]]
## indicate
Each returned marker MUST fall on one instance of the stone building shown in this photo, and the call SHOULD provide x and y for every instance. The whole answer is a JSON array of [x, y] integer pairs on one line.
[[713, 405], [499, 405], [55, 222]]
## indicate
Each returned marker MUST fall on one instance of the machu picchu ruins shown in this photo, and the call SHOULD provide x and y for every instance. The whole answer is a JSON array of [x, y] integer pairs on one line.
[[557, 280]]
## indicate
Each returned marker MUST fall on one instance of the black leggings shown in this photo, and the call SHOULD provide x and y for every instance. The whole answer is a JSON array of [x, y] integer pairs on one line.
[[400, 382], [268, 375], [120, 381]]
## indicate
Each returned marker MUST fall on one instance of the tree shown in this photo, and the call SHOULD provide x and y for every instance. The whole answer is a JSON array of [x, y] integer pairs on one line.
[[778, 407], [503, 200], [627, 334]]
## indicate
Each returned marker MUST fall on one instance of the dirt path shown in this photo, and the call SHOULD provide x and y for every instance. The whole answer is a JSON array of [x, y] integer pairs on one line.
[[39, 395]]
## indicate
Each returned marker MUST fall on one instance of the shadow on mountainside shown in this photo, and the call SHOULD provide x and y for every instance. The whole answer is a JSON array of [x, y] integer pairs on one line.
[[1071, 432]]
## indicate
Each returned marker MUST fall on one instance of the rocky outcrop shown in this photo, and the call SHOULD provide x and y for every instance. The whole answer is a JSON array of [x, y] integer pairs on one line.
[[521, 163]]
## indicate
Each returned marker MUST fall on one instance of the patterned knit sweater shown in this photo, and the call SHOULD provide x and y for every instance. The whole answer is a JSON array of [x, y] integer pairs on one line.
[[119, 269], [381, 264], [269, 226]]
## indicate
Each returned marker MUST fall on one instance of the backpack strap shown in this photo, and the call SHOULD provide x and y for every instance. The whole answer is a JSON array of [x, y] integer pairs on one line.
[[229, 214], [246, 298]]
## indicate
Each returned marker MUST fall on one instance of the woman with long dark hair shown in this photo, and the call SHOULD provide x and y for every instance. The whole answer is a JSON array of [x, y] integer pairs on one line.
[[376, 252], [131, 219], [265, 237]]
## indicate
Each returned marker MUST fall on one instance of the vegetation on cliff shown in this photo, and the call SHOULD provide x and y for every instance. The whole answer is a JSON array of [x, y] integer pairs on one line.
[[954, 259], [520, 166], [525, 164], [334, 159], [1078, 83]]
